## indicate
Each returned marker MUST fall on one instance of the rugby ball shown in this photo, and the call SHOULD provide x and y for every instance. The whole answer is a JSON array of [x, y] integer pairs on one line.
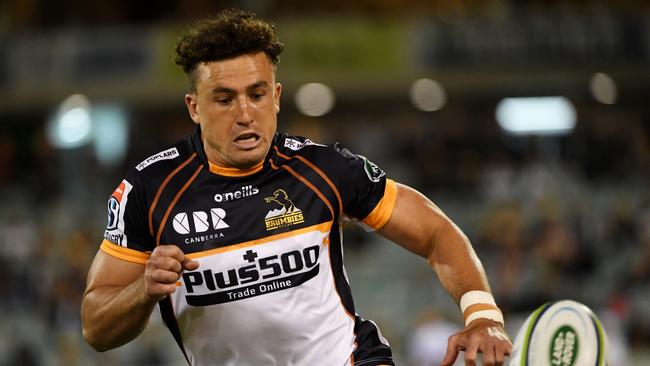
[[561, 333]]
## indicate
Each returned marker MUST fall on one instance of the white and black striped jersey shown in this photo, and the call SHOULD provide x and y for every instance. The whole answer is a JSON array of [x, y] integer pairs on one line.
[[271, 288]]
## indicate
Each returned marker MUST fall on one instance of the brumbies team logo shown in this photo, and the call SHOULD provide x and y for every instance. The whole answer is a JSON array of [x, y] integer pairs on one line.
[[286, 213]]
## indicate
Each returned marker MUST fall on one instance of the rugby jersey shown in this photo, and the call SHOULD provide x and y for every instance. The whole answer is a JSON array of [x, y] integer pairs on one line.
[[271, 288]]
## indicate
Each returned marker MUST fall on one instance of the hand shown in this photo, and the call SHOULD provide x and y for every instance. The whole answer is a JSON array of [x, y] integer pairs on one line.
[[163, 269], [481, 335]]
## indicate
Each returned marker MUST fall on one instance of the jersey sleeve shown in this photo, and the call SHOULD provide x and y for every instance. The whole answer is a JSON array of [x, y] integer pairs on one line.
[[367, 195], [127, 236]]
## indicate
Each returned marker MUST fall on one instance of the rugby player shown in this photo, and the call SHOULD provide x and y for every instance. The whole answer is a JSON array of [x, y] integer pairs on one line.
[[235, 232]]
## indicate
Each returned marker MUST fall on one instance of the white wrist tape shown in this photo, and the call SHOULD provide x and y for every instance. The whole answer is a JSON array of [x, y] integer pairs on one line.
[[485, 314], [479, 305], [476, 297]]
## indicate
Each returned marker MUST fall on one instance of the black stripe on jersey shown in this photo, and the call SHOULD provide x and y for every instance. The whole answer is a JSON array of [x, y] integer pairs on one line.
[[167, 313], [336, 261], [168, 194], [174, 201], [160, 189], [314, 174], [370, 350]]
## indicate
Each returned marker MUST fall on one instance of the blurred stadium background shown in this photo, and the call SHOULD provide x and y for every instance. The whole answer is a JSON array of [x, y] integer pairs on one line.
[[556, 210]]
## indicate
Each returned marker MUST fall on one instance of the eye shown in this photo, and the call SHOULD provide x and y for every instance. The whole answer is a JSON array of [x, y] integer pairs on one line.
[[257, 96], [224, 101]]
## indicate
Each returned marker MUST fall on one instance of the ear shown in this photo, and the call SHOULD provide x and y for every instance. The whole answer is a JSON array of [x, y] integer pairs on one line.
[[278, 93], [192, 106]]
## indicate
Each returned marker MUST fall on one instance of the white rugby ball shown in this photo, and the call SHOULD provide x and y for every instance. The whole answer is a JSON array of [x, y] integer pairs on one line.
[[561, 333]]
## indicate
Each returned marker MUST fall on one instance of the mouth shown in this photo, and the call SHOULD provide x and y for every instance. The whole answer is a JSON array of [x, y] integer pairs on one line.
[[247, 140]]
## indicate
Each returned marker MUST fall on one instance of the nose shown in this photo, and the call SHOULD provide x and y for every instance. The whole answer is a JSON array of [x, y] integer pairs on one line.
[[243, 113]]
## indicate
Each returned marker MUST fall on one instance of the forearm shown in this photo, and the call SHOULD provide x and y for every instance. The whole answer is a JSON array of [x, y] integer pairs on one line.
[[420, 226], [453, 259], [112, 316]]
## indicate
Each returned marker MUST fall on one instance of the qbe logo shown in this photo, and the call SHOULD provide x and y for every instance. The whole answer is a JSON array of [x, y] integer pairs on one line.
[[200, 221]]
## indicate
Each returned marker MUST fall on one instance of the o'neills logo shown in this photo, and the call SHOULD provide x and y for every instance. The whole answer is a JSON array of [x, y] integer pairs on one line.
[[287, 214], [243, 192]]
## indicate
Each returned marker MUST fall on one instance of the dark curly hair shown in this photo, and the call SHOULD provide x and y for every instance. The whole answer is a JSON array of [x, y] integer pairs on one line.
[[230, 34]]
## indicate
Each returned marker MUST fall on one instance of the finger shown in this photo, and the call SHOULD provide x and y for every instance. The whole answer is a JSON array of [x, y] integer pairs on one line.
[[156, 291], [488, 354], [508, 350], [161, 290], [189, 264], [452, 352], [500, 352], [171, 251], [167, 263], [164, 276], [470, 354]]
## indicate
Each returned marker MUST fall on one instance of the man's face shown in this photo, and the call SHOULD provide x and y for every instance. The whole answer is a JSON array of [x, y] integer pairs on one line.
[[236, 103]]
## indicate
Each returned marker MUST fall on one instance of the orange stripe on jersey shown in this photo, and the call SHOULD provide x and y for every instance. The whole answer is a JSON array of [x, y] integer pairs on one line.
[[318, 171], [381, 213], [323, 228], [162, 187], [176, 197], [308, 184], [126, 254], [311, 186], [234, 172]]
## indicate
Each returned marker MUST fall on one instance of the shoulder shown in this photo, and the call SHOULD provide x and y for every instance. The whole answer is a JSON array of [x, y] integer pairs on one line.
[[331, 158], [157, 166], [290, 146], [293, 145]]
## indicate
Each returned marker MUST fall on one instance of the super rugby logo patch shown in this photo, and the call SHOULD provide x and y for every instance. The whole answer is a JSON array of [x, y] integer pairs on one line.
[[373, 172], [116, 207]]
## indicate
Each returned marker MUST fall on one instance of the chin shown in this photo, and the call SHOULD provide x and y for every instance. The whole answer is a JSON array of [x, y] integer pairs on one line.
[[246, 162]]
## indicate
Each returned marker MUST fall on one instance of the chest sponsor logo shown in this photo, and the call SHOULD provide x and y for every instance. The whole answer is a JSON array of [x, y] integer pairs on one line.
[[163, 155], [243, 192], [285, 212], [198, 222], [255, 276], [116, 207]]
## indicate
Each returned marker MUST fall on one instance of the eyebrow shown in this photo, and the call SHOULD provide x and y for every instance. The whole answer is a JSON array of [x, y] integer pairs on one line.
[[221, 89]]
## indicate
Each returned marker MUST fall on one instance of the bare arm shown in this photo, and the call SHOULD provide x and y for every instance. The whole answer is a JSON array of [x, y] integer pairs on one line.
[[421, 227], [121, 295]]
